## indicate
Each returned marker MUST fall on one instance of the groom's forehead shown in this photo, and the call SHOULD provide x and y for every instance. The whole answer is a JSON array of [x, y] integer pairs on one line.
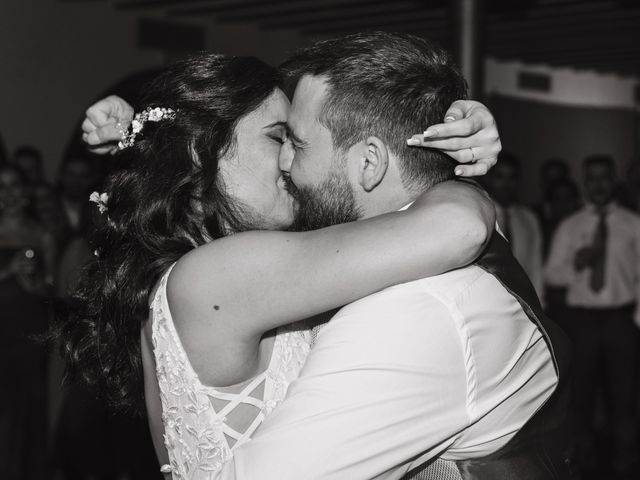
[[308, 101]]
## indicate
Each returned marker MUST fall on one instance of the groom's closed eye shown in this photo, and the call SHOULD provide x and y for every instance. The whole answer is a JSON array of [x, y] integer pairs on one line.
[[292, 144], [296, 141]]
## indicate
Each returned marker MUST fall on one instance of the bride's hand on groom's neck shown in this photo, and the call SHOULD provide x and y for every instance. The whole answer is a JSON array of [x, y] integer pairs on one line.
[[468, 134]]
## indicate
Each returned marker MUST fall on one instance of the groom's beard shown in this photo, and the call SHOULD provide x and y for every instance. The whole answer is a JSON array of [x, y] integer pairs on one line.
[[330, 203]]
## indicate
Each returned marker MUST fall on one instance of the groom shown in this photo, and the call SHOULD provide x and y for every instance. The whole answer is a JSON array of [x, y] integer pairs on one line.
[[460, 371]]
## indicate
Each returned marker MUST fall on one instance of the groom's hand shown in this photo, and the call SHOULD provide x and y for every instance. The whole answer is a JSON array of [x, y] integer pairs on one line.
[[105, 124], [469, 135]]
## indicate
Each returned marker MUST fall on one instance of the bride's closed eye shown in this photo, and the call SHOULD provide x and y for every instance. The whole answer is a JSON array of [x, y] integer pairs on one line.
[[277, 134], [277, 138]]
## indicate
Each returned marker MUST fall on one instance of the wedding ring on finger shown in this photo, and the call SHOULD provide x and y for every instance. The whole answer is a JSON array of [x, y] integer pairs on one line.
[[473, 155]]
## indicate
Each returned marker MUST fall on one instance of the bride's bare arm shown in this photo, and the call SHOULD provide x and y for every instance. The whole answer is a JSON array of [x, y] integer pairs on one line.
[[249, 283]]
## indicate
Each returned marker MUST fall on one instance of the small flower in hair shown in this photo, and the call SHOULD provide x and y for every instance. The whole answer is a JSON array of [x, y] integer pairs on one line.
[[136, 126], [155, 114], [100, 199]]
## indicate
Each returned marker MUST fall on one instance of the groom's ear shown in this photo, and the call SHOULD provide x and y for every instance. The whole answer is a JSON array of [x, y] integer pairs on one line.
[[373, 166]]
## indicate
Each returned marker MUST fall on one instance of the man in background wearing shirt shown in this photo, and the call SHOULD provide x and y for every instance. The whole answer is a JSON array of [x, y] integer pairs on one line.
[[595, 253]]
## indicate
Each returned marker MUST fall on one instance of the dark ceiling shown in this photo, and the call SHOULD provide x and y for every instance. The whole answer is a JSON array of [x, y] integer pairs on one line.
[[584, 34]]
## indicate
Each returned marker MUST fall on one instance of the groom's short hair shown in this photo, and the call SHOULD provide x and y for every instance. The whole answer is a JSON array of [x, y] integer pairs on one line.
[[388, 85]]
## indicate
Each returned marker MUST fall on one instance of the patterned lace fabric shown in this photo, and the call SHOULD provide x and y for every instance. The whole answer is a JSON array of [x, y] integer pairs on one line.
[[195, 434]]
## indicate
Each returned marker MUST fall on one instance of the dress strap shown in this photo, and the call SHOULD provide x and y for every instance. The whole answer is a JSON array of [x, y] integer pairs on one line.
[[236, 399], [251, 429]]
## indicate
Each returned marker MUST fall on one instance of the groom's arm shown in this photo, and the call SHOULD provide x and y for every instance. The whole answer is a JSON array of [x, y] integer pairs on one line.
[[378, 391]]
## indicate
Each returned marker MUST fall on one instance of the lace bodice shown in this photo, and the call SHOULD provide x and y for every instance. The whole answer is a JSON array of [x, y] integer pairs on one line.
[[196, 436]]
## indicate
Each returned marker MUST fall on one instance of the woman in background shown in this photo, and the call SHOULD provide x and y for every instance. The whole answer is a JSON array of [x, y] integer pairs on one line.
[[26, 261]]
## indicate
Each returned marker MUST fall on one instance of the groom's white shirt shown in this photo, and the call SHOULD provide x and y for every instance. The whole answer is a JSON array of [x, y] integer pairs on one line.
[[448, 365]]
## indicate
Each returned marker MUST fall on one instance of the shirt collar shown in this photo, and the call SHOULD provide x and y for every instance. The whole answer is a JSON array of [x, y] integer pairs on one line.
[[608, 208]]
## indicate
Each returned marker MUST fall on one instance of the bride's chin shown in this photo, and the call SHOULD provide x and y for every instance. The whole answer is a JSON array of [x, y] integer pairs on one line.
[[292, 212], [283, 217]]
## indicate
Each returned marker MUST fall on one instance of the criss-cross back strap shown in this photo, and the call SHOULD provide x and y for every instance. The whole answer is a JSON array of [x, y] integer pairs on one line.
[[242, 398], [249, 431]]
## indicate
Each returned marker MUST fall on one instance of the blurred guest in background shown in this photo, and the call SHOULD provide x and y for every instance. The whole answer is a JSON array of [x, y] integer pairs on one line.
[[629, 189], [26, 261], [78, 177], [517, 222], [47, 208], [595, 253], [552, 170], [29, 160], [75, 253], [561, 199]]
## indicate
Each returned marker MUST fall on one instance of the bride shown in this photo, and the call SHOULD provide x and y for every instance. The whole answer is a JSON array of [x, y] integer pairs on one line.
[[187, 310]]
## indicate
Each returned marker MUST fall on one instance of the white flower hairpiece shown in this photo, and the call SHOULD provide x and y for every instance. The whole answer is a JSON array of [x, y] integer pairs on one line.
[[149, 114], [100, 199]]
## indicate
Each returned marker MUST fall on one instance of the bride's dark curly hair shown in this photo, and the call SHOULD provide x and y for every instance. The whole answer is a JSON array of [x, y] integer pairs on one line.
[[166, 200]]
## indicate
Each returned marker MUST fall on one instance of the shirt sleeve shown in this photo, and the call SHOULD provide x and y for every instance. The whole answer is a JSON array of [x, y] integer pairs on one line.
[[559, 271], [377, 391]]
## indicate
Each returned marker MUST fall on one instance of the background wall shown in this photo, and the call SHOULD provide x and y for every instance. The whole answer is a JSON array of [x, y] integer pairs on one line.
[[567, 86], [272, 46]]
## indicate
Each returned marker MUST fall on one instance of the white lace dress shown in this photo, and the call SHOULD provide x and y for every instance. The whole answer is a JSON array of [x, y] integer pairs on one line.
[[195, 434]]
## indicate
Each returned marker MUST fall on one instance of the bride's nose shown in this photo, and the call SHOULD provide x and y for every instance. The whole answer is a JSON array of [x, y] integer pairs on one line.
[[286, 157]]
